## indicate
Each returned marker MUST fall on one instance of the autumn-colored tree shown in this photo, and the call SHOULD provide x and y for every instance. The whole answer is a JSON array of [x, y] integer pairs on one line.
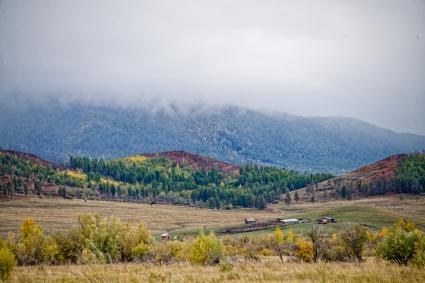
[[304, 250], [206, 249], [354, 239], [315, 236], [29, 247], [7, 262]]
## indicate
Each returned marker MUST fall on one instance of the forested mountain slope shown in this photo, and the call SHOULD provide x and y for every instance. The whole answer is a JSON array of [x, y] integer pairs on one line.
[[184, 178], [55, 131]]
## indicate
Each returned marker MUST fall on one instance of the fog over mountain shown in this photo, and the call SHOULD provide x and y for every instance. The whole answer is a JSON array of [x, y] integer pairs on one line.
[[237, 135], [360, 59]]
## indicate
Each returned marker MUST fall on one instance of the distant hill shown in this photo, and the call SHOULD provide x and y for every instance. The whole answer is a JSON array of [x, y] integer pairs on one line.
[[30, 158], [403, 173], [234, 135], [175, 177]]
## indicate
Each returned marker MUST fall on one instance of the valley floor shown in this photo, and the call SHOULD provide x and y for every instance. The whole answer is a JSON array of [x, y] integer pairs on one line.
[[58, 214], [270, 270]]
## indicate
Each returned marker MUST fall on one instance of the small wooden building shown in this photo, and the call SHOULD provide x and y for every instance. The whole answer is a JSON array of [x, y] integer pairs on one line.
[[325, 220], [250, 220], [165, 236], [290, 221]]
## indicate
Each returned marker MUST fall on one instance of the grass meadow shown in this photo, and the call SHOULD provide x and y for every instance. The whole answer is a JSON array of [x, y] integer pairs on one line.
[[374, 213], [270, 270], [59, 214]]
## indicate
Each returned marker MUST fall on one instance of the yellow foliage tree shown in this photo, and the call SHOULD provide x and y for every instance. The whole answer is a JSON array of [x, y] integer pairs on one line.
[[278, 236], [405, 225], [30, 245], [304, 250], [290, 236], [206, 249], [7, 262]]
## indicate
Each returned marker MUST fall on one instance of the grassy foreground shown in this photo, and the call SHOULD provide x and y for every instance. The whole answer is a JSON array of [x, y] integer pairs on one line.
[[272, 271]]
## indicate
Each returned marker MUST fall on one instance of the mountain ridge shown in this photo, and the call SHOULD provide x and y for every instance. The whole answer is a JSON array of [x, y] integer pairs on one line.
[[234, 135]]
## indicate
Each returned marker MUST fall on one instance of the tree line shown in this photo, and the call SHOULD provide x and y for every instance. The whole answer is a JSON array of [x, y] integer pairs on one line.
[[154, 180]]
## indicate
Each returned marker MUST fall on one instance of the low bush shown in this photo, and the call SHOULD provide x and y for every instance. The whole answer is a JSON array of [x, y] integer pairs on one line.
[[334, 253], [403, 244], [7, 263], [109, 240], [354, 240]]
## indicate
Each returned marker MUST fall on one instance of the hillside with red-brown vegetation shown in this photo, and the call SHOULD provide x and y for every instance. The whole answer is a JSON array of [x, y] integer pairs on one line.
[[382, 170], [197, 162], [375, 178]]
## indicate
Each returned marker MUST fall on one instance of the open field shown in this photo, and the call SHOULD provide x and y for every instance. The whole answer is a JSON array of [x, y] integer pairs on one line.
[[58, 214], [269, 270]]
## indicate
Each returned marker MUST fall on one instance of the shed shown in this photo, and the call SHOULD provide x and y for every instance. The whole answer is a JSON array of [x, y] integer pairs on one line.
[[325, 220], [250, 220], [329, 219], [290, 221], [165, 236]]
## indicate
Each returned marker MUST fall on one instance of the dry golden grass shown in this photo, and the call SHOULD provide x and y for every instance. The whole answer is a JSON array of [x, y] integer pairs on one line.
[[270, 270], [59, 214]]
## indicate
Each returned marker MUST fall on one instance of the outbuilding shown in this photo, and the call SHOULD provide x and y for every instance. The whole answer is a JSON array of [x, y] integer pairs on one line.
[[325, 220], [290, 221], [165, 236]]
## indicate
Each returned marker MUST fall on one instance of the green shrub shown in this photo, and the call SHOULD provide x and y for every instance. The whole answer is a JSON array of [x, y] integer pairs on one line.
[[180, 250], [50, 250], [140, 252], [354, 239], [402, 244], [206, 249], [7, 262], [419, 259], [334, 253], [70, 245], [112, 240]]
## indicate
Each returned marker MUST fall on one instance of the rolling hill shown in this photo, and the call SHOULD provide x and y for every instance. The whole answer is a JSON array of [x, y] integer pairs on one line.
[[402, 173], [169, 177], [55, 131]]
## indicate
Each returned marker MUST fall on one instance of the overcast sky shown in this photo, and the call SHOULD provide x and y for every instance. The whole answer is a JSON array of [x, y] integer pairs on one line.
[[361, 59]]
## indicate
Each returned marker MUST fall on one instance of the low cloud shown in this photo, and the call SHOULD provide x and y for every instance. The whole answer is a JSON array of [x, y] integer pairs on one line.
[[316, 58]]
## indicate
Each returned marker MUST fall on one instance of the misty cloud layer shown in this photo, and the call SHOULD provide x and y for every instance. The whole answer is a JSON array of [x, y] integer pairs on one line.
[[361, 59]]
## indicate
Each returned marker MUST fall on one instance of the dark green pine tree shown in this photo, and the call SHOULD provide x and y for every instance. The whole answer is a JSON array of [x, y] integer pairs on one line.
[[37, 188], [260, 202], [288, 199], [297, 197], [344, 192]]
